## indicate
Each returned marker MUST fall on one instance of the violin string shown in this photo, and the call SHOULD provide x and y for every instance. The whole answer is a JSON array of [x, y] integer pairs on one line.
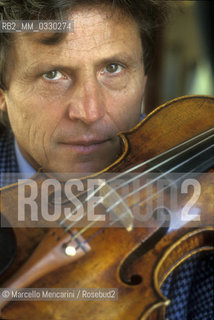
[[172, 183], [191, 140], [85, 228], [97, 233], [151, 182], [159, 177], [194, 169], [61, 223], [128, 182], [153, 168]]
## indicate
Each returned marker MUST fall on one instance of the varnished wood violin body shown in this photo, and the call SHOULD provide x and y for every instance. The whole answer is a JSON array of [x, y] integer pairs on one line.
[[116, 255]]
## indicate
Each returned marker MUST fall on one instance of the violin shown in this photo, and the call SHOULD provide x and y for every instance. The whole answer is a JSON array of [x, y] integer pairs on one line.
[[141, 240]]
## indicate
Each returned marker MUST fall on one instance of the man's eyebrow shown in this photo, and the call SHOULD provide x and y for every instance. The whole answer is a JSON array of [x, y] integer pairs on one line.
[[50, 39], [45, 67], [123, 58]]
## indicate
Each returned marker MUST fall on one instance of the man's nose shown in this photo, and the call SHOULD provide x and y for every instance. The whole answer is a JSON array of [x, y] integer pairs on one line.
[[87, 101]]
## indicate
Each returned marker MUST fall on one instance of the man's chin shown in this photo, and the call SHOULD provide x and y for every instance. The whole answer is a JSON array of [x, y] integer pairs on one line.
[[76, 171]]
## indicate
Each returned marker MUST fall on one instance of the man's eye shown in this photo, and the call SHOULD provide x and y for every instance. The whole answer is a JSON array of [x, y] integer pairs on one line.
[[52, 75], [113, 68]]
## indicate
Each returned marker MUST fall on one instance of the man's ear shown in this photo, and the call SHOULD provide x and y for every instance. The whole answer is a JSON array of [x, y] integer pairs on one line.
[[3, 105]]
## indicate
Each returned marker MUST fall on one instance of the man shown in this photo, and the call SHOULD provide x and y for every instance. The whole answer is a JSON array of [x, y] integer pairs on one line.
[[67, 96], [90, 85]]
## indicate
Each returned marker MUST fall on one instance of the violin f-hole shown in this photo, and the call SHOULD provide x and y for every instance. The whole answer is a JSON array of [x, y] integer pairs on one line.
[[145, 246]]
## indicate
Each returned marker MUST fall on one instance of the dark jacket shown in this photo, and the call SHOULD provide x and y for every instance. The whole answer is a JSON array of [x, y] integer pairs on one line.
[[8, 162]]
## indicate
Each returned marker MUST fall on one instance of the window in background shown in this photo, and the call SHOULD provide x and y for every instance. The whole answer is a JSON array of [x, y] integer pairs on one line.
[[184, 55]]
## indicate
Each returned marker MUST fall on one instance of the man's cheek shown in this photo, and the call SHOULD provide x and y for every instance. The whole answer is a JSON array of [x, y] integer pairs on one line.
[[131, 117]]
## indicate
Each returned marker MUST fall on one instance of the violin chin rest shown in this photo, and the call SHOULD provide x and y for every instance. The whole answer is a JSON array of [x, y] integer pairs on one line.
[[7, 244]]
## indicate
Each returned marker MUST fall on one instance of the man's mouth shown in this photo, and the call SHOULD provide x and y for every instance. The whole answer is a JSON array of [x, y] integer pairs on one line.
[[86, 145]]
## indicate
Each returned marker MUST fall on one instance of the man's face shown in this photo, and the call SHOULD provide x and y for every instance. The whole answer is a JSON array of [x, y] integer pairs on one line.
[[66, 102]]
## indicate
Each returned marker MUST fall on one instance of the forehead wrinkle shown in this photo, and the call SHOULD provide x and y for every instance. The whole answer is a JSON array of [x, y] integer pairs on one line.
[[102, 44], [108, 27], [70, 45], [105, 39], [85, 39]]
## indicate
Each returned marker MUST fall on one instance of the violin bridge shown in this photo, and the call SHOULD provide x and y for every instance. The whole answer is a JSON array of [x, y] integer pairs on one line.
[[113, 202]]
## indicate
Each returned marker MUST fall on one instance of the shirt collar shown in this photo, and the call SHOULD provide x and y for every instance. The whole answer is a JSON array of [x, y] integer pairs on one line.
[[25, 168]]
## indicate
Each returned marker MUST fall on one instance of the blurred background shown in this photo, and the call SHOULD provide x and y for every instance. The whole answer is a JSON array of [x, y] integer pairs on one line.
[[184, 58]]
